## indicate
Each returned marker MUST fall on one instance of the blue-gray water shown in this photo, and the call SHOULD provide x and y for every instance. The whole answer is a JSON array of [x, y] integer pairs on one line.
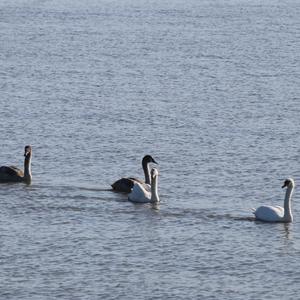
[[209, 88]]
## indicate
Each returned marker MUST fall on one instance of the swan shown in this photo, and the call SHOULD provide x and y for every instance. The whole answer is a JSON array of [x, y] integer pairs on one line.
[[126, 184], [140, 194], [278, 213], [14, 174]]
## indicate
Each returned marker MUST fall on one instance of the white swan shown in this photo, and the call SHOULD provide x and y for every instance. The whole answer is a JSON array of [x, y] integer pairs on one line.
[[140, 194], [278, 213], [125, 185], [14, 174]]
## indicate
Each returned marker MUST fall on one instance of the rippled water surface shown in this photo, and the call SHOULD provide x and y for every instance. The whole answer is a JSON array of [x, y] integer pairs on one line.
[[209, 88]]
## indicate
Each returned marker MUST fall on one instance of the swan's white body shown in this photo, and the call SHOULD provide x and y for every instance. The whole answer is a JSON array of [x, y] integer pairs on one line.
[[141, 193], [277, 213], [269, 213], [144, 193]]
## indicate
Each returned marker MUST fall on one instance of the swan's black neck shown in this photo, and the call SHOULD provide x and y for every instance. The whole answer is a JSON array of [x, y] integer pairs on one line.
[[146, 172], [27, 168]]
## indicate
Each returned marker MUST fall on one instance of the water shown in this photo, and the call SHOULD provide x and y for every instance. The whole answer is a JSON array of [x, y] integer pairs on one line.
[[209, 88]]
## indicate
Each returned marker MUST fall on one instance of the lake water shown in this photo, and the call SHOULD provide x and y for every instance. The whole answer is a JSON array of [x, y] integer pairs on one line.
[[209, 88]]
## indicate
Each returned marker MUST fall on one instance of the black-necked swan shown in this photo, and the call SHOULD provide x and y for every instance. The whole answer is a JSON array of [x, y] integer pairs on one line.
[[140, 194], [14, 174], [278, 213], [126, 184]]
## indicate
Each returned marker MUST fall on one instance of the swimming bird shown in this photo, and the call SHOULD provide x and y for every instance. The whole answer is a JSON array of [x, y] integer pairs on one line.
[[278, 213], [14, 174], [126, 184], [140, 194]]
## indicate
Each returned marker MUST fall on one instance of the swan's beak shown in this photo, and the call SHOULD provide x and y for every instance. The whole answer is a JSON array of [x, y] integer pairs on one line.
[[27, 151], [154, 161], [284, 185]]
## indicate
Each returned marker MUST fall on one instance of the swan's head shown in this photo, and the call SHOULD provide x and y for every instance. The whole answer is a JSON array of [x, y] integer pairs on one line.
[[289, 182], [148, 159], [154, 173], [27, 151]]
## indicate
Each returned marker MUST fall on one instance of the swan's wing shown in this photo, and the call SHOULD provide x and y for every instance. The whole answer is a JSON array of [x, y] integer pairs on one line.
[[123, 185], [10, 174], [136, 180], [146, 187], [139, 194], [11, 171], [279, 209], [269, 213]]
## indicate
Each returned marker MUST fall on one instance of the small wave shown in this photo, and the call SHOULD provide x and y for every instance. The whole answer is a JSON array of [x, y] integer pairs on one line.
[[204, 214]]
